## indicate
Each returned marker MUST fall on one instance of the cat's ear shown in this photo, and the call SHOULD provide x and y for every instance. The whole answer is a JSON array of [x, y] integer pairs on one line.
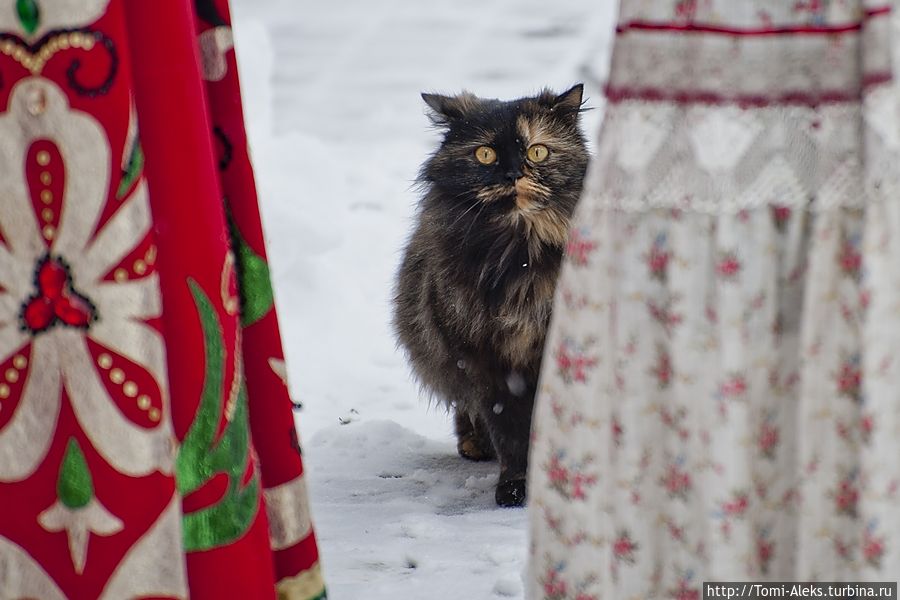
[[568, 103], [571, 99], [446, 109]]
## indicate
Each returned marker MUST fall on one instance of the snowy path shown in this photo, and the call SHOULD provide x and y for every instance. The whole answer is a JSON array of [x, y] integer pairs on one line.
[[338, 132]]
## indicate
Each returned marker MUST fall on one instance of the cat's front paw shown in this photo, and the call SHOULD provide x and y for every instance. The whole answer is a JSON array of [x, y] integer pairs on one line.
[[510, 493], [473, 448]]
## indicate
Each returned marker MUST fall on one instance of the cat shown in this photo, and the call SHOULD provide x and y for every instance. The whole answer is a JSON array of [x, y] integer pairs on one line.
[[475, 287]]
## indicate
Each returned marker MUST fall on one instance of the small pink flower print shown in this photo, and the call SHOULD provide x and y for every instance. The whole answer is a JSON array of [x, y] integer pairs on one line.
[[873, 548], [734, 387], [686, 593], [658, 262], [584, 596], [554, 587], [850, 259], [579, 482], [624, 548], [768, 439], [728, 266], [686, 9], [725, 528], [675, 531], [842, 549], [849, 378], [617, 432], [865, 298], [808, 6], [781, 215], [765, 550], [846, 498], [867, 425], [737, 506], [843, 430], [662, 370], [664, 316], [573, 363], [572, 482], [553, 523], [557, 473], [580, 247], [677, 482]]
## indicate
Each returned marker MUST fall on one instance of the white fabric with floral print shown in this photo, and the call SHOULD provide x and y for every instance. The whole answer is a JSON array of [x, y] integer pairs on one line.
[[719, 395]]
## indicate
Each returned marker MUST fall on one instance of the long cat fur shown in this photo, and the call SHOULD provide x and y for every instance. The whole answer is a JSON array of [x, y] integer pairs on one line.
[[474, 291]]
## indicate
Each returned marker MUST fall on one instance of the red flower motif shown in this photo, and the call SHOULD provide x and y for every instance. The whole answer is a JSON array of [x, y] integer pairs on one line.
[[737, 506], [56, 300], [579, 482], [572, 364], [867, 425], [842, 549], [847, 497], [850, 259], [664, 316], [686, 593], [873, 549], [663, 368], [624, 548], [734, 386], [617, 432], [579, 248], [808, 6], [677, 482], [768, 440], [658, 262], [554, 587], [781, 215], [557, 473], [728, 266], [850, 378], [686, 9]]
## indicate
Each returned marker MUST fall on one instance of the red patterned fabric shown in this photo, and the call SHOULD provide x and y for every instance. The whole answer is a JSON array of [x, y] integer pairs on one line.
[[139, 345]]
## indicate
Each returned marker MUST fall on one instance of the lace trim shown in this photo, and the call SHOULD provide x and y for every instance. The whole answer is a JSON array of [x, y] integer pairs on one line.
[[728, 158]]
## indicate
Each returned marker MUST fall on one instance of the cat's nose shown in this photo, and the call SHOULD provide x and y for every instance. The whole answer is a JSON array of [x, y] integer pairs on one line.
[[513, 173]]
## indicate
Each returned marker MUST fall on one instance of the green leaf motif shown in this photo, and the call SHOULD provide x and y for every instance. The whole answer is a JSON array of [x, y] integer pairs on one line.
[[202, 457], [254, 282], [75, 486], [132, 171], [29, 15]]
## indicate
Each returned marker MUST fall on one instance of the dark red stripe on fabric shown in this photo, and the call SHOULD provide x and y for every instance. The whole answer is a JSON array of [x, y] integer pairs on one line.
[[621, 94], [762, 31], [877, 12]]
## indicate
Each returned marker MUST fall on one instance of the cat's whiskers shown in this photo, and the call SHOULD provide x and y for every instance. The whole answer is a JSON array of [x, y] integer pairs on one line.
[[474, 220], [467, 211]]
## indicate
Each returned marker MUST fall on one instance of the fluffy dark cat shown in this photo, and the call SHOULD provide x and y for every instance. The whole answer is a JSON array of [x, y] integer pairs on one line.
[[475, 288]]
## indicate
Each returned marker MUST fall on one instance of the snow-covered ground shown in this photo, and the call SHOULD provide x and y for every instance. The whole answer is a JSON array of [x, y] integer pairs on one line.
[[338, 132]]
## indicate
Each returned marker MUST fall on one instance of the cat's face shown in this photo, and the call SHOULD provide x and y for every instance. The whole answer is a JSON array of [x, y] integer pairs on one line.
[[513, 162]]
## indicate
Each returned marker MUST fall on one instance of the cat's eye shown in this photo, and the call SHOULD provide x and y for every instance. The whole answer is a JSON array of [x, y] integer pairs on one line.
[[486, 155], [538, 153]]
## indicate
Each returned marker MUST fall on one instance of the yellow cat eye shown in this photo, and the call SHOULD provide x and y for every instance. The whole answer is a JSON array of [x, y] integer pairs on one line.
[[538, 153], [486, 155]]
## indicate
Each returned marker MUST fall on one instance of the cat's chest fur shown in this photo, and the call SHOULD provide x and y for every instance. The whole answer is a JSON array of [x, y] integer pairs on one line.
[[505, 314]]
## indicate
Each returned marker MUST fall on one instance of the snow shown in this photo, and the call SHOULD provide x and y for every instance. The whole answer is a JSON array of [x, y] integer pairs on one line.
[[338, 131]]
